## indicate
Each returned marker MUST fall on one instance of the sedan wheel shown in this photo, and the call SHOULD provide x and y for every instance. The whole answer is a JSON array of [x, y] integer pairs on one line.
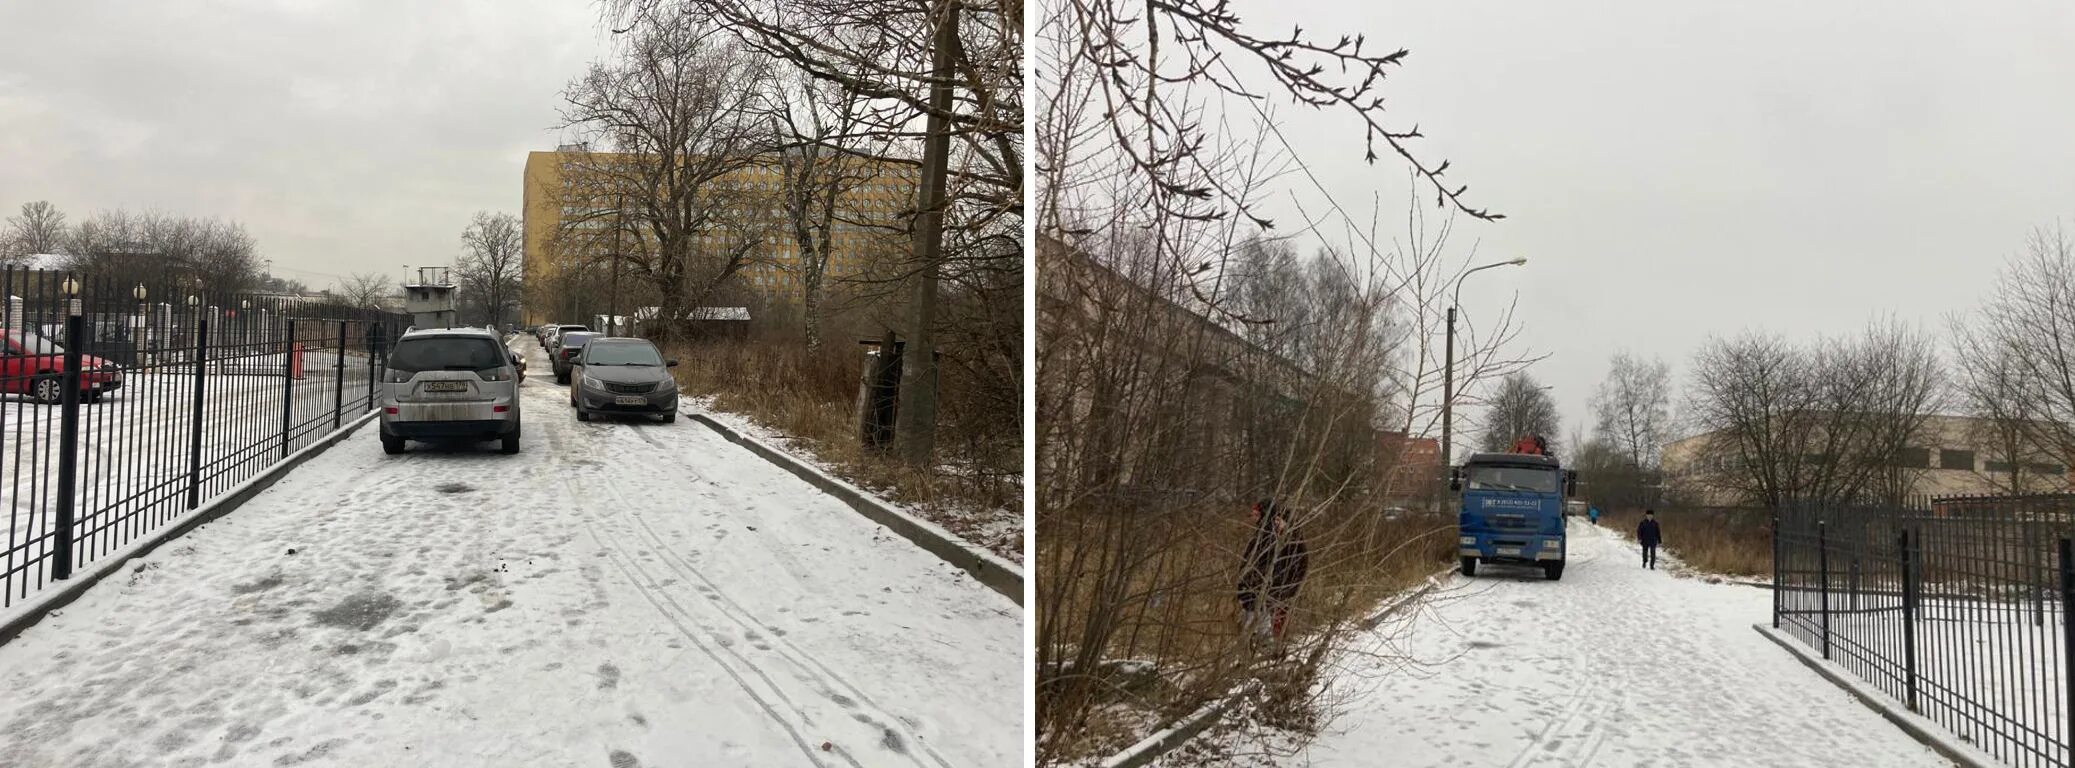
[[49, 390]]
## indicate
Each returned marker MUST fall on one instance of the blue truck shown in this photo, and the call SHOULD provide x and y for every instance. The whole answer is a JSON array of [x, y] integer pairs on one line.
[[1512, 511]]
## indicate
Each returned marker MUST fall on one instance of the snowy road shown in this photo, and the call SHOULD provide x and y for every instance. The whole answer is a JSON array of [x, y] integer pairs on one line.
[[618, 594], [1614, 665]]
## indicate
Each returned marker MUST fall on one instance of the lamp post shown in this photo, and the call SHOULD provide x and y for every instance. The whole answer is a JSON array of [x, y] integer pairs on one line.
[[1448, 364], [137, 326]]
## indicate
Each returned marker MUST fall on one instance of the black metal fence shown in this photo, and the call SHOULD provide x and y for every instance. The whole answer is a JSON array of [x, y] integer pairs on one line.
[[1956, 607], [127, 402]]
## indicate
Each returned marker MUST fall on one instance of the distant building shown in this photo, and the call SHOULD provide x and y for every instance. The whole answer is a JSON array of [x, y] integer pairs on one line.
[[430, 299], [568, 219], [1954, 455], [1412, 465]]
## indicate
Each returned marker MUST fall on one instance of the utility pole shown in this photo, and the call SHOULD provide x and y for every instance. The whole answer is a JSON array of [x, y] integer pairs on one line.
[[915, 435], [1448, 364]]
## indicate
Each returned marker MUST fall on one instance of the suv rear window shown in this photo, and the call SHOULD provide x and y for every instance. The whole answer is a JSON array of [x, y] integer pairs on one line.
[[446, 353], [576, 339]]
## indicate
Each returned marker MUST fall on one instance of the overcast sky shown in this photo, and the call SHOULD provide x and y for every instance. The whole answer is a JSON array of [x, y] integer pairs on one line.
[[1673, 170], [349, 135]]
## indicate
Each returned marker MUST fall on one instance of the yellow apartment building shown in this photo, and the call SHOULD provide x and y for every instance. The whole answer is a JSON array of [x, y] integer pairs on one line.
[[563, 227]]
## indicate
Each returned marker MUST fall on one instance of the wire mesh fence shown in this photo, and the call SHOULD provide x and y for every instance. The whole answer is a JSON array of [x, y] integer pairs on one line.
[[1956, 607], [127, 402]]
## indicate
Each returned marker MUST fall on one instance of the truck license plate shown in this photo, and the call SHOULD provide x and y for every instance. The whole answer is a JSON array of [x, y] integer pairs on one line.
[[625, 400], [446, 386], [1509, 551]]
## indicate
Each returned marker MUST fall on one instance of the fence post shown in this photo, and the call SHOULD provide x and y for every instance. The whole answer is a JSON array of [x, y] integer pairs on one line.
[[1779, 583], [374, 335], [68, 445], [2068, 642], [287, 388], [338, 398], [194, 451], [1823, 568], [2036, 575], [1909, 609]]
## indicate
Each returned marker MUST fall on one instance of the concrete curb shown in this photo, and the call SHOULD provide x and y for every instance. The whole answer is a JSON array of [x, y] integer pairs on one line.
[[55, 597], [1917, 726], [1188, 727], [1167, 739], [986, 567], [1431, 585]]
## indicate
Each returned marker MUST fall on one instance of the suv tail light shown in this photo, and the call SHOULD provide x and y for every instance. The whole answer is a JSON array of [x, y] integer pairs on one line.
[[494, 374], [395, 376]]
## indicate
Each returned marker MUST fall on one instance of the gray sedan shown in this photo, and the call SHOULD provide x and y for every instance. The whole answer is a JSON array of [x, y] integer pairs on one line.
[[618, 375]]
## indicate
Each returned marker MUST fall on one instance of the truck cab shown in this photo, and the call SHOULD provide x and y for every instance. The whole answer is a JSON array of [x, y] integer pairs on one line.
[[1511, 511]]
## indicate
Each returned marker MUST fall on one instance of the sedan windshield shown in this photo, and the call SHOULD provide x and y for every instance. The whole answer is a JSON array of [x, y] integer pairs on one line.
[[34, 344], [446, 353], [622, 353], [1513, 479]]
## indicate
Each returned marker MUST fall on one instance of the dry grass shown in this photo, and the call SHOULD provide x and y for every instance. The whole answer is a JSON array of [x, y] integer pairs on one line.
[[1725, 541], [1180, 608], [810, 399]]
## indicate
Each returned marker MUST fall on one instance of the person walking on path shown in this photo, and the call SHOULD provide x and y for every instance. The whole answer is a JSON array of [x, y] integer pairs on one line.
[[1592, 514], [1649, 537], [1272, 571]]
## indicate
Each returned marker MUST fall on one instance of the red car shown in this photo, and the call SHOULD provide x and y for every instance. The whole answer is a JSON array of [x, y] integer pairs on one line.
[[33, 365]]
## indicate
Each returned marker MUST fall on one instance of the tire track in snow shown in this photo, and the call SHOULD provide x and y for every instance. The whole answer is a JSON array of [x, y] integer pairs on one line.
[[816, 672], [678, 615], [559, 442]]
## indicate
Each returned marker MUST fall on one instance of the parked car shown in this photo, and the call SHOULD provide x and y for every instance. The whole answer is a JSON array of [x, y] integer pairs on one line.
[[451, 385], [623, 375], [555, 334], [32, 364], [566, 349]]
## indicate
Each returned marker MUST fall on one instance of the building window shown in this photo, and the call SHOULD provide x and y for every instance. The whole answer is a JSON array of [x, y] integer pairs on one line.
[[1914, 458], [2047, 469], [1951, 459], [1997, 467]]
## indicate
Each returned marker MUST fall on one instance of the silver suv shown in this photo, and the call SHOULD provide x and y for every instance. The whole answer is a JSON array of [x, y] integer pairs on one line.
[[451, 385]]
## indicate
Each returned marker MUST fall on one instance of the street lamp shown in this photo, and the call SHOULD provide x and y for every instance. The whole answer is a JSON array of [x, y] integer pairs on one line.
[[1448, 364], [71, 288]]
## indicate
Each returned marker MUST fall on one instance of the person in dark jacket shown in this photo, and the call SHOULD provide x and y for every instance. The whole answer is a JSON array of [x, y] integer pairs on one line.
[[1272, 571], [1647, 535]]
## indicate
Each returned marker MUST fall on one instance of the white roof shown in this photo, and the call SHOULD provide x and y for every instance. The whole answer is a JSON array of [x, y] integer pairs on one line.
[[451, 332], [699, 313]]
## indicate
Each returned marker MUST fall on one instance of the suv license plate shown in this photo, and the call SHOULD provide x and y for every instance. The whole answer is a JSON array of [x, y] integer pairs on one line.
[[1509, 551], [446, 386], [626, 400]]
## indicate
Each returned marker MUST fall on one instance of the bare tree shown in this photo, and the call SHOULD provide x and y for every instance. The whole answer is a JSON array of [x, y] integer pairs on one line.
[[488, 272], [365, 290], [822, 161], [40, 228], [2020, 360], [222, 256], [1520, 408], [955, 67], [1632, 408], [1830, 422], [681, 111], [1990, 388]]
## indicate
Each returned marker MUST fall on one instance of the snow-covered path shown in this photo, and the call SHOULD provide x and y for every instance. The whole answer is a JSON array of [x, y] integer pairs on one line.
[[618, 594], [1614, 665]]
